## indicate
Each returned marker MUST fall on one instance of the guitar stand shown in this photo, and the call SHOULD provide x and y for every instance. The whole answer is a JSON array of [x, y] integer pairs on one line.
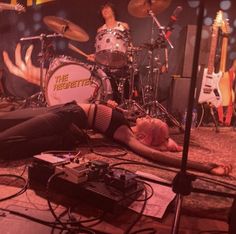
[[214, 119]]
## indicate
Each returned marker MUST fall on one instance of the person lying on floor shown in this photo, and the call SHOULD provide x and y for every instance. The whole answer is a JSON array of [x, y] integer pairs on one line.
[[24, 133]]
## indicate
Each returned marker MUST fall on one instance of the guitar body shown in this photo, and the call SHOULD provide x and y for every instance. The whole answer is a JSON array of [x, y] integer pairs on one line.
[[226, 89], [210, 91]]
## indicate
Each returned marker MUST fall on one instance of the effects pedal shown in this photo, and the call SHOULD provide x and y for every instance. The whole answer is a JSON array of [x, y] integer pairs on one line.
[[92, 181], [74, 172]]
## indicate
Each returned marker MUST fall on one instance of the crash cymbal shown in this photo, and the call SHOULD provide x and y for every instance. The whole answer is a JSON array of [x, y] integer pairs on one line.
[[66, 28], [140, 8]]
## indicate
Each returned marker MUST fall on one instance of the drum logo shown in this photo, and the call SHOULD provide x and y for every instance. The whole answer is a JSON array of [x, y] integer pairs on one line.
[[63, 82]]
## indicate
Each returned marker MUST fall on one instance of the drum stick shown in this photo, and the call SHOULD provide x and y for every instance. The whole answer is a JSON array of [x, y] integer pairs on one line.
[[72, 47]]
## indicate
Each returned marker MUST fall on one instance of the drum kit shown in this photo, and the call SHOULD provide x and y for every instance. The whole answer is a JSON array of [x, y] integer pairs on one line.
[[68, 79]]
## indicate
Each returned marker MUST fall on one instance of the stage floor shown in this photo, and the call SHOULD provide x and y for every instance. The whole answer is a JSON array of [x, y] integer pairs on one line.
[[200, 212]]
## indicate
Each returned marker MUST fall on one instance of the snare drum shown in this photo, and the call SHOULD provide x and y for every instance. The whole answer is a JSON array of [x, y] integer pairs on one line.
[[111, 48], [70, 80]]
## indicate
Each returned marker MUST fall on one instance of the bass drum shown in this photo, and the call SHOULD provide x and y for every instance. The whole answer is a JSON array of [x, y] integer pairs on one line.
[[69, 80]]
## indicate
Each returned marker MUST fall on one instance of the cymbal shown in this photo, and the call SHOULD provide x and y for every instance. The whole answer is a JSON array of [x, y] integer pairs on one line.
[[66, 28], [140, 8]]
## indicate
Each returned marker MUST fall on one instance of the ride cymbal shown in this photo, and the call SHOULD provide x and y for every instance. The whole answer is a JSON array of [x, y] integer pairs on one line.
[[66, 28], [141, 8]]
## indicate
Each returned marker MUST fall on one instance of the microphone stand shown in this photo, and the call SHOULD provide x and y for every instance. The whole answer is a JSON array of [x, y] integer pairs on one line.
[[150, 12], [182, 183]]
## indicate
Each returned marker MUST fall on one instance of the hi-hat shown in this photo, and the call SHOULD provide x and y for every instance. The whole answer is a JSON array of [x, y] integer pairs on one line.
[[66, 28], [141, 8]]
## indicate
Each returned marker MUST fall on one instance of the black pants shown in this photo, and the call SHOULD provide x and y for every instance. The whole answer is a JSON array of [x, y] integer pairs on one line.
[[27, 132]]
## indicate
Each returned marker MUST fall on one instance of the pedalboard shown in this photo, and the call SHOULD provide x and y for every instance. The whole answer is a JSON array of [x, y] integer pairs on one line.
[[92, 181]]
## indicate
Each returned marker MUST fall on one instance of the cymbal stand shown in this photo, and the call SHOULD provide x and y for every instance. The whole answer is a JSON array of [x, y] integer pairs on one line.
[[130, 107], [151, 105], [40, 96], [147, 91]]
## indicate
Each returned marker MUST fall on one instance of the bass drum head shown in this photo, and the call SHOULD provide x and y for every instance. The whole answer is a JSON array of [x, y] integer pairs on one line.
[[71, 82]]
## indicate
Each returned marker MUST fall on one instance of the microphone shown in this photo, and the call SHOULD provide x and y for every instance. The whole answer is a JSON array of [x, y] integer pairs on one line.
[[174, 17]]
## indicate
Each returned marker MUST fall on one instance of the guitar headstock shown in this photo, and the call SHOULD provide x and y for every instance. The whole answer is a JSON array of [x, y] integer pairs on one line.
[[225, 26], [219, 19], [19, 8]]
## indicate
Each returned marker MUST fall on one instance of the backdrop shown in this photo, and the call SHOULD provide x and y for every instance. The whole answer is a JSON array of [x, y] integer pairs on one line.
[[84, 13]]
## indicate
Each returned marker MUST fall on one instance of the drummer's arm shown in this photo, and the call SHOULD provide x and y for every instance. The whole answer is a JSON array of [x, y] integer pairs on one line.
[[99, 29], [127, 28], [125, 25], [91, 57]]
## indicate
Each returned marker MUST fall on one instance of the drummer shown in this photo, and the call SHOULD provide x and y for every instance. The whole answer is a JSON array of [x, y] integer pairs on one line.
[[108, 14]]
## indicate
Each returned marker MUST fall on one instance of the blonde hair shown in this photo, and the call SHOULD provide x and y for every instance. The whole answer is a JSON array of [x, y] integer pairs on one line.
[[152, 132]]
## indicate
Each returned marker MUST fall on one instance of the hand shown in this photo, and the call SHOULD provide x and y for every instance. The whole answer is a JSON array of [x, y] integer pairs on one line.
[[170, 145], [20, 8], [221, 170], [23, 68], [91, 57], [173, 146], [112, 104]]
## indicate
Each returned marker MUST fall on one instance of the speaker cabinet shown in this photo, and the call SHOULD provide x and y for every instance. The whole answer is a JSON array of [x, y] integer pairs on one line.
[[189, 35], [179, 95]]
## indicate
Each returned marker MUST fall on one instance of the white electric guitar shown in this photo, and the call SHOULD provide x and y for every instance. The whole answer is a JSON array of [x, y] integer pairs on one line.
[[10, 7], [210, 91]]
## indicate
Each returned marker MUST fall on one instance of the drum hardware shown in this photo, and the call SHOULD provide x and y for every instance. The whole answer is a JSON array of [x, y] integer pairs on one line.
[[104, 89], [121, 88], [40, 97], [151, 104], [131, 109], [62, 28], [144, 8], [148, 8], [150, 91]]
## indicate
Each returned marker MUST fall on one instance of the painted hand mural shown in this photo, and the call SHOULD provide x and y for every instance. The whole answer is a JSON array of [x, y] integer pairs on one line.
[[23, 68]]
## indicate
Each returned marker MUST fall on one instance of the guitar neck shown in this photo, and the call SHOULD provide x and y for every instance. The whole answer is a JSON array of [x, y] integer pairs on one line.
[[214, 39], [224, 53]]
